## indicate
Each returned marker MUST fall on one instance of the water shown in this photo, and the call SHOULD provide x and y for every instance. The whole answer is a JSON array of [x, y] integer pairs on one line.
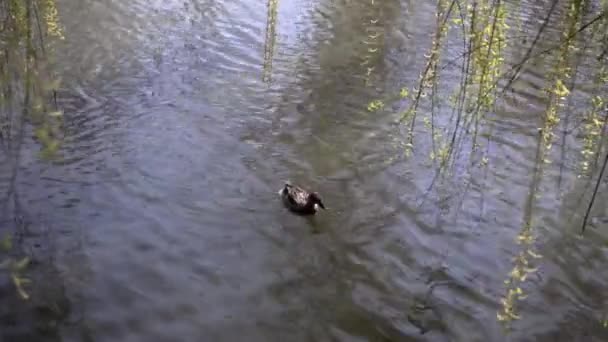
[[179, 131]]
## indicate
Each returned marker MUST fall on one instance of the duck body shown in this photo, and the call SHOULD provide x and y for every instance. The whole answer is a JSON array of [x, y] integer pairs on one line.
[[300, 201]]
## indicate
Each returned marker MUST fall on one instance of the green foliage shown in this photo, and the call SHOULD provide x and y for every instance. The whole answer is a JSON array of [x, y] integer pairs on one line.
[[51, 18], [15, 267], [375, 105], [373, 40], [595, 124], [487, 42], [486, 35], [28, 85], [521, 270], [6, 244]]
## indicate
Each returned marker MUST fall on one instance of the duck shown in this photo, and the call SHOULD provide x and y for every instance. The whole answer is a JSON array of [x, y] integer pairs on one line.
[[300, 201]]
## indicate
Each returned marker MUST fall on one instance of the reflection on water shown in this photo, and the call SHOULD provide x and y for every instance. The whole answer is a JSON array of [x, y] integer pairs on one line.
[[271, 19], [183, 119]]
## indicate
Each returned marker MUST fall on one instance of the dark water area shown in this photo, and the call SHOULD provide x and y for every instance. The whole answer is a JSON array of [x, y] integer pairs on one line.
[[184, 118]]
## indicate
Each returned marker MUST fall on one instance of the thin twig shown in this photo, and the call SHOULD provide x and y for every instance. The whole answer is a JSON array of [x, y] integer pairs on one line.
[[529, 52], [519, 65], [597, 186]]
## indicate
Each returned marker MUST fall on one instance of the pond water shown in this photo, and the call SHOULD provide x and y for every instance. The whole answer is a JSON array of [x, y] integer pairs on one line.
[[184, 118]]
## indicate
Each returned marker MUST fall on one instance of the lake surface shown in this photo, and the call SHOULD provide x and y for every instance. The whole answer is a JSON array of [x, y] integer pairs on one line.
[[184, 118]]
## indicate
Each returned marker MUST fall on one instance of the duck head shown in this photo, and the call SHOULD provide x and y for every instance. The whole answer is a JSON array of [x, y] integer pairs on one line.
[[316, 200]]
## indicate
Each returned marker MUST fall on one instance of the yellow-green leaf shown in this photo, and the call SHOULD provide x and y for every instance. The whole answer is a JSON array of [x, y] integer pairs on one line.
[[6, 244], [20, 265]]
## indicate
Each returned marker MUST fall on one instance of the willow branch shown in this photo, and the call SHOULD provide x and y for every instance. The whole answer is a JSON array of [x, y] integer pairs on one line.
[[597, 186]]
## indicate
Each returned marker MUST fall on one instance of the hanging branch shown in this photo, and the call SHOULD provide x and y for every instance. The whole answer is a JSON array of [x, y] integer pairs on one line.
[[517, 67], [597, 185], [529, 52]]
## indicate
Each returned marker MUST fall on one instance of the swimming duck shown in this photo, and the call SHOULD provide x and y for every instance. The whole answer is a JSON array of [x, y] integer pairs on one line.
[[300, 201]]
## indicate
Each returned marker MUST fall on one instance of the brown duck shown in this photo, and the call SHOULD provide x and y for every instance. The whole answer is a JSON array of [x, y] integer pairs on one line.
[[300, 201]]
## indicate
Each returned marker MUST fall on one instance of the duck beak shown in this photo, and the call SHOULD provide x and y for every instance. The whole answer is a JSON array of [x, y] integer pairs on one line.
[[321, 205]]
